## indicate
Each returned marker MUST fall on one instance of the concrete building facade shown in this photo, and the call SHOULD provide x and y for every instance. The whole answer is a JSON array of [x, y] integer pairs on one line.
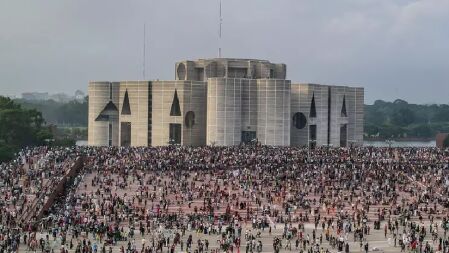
[[326, 115], [224, 102]]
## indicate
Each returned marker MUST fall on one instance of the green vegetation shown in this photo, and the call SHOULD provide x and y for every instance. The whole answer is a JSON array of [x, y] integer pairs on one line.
[[20, 127], [400, 119], [69, 119], [73, 113]]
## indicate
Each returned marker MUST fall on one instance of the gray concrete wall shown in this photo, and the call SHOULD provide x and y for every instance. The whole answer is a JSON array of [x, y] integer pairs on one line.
[[227, 97], [354, 111], [99, 96], [192, 97], [249, 104], [138, 100], [337, 94], [300, 103], [194, 100], [357, 110], [163, 92], [230, 68], [224, 119], [273, 112], [321, 121]]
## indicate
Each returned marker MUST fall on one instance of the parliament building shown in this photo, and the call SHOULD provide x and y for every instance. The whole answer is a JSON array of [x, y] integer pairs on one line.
[[225, 102]]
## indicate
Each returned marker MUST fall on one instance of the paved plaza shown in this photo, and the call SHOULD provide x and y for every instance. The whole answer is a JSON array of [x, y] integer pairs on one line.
[[243, 199], [376, 239]]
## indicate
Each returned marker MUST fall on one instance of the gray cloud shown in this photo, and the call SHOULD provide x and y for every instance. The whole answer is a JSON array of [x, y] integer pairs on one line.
[[395, 49]]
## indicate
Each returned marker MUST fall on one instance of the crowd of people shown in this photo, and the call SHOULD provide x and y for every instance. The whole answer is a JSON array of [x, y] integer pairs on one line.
[[26, 185], [227, 199]]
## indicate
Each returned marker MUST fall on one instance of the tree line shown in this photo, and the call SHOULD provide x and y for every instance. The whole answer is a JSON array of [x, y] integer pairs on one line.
[[384, 120], [399, 119], [73, 113], [20, 127]]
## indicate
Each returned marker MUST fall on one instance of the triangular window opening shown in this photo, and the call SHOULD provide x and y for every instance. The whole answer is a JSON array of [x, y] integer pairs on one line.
[[343, 108], [126, 109], [109, 110], [175, 109], [313, 107], [102, 117]]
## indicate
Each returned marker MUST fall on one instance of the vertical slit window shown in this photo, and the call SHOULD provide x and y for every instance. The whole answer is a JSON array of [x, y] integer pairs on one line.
[[110, 91], [343, 108], [110, 135], [150, 108], [312, 107], [329, 101]]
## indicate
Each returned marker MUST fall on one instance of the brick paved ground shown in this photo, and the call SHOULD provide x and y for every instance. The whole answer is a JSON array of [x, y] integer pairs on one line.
[[376, 238]]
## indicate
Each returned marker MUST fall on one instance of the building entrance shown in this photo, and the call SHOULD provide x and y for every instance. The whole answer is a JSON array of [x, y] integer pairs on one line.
[[343, 135], [125, 134], [175, 134], [312, 136], [248, 136]]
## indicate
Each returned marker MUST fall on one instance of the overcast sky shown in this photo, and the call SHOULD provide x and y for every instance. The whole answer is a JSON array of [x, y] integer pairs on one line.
[[393, 48]]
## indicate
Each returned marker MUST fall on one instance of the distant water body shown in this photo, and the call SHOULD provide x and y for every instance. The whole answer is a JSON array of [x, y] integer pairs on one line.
[[401, 144], [81, 143]]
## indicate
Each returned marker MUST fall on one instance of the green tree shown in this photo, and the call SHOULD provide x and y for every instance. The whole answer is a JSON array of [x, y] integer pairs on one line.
[[73, 113], [371, 129], [424, 131], [400, 119], [403, 117], [19, 127]]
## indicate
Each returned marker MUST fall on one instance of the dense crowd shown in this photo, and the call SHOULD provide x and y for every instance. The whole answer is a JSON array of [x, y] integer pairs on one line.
[[25, 185], [227, 199]]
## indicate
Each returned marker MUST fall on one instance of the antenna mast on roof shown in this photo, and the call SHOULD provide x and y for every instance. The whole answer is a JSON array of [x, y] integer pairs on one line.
[[144, 46], [219, 34]]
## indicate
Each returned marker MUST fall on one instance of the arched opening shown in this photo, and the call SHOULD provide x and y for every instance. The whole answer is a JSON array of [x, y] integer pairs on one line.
[[190, 119], [181, 71]]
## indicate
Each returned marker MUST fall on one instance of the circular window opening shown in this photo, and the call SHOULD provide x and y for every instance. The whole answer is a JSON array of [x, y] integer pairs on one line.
[[299, 120], [190, 119]]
